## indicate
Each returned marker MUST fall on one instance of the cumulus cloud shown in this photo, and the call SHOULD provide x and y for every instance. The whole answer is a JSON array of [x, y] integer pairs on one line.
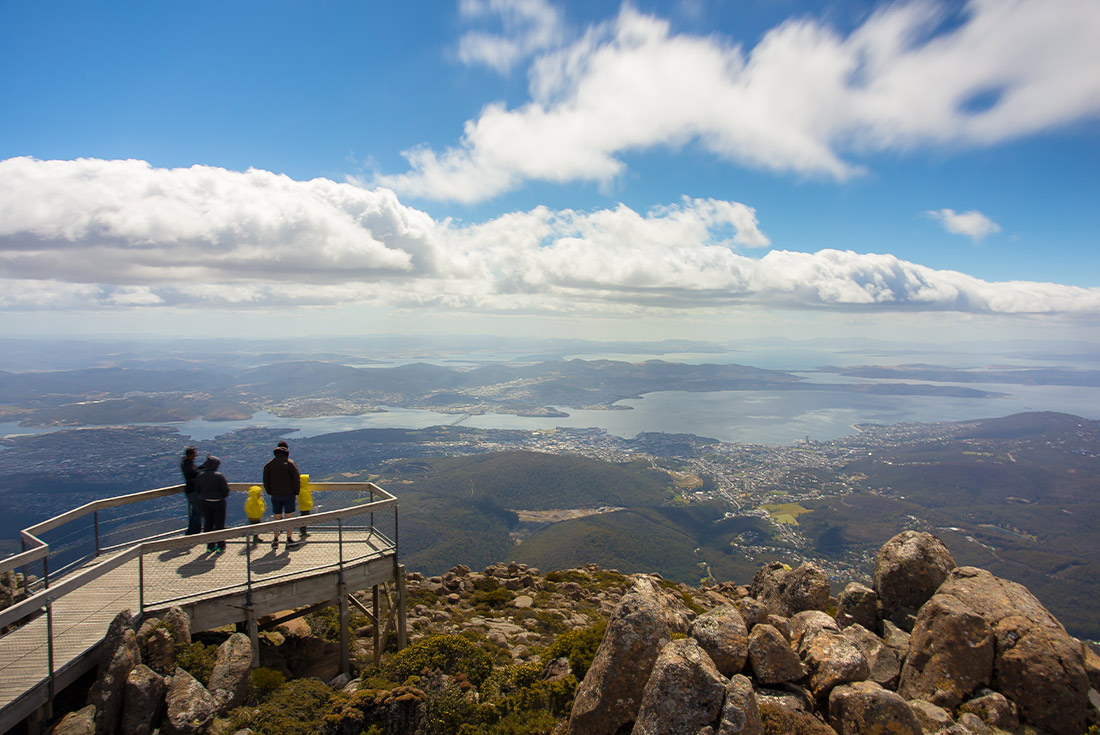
[[528, 26], [122, 234], [973, 223], [805, 99]]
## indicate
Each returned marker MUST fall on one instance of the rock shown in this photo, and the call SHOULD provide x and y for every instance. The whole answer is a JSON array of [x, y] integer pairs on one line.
[[804, 626], [781, 624], [685, 692], [789, 591], [158, 650], [81, 722], [865, 708], [190, 706], [778, 720], [882, 662], [994, 709], [931, 718], [740, 715], [950, 654], [973, 725], [340, 681], [772, 659], [229, 678], [108, 692], [857, 605], [179, 627], [609, 695], [897, 639], [1036, 663], [833, 660], [908, 570], [723, 635], [1092, 665], [142, 701], [295, 628], [752, 611], [523, 601]]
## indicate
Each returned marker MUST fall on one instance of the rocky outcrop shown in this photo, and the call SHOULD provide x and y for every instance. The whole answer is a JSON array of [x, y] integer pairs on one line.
[[190, 707], [610, 694], [81, 722], [740, 713], [107, 696], [857, 605], [684, 694], [882, 662], [833, 660], [865, 708], [908, 570], [229, 679]]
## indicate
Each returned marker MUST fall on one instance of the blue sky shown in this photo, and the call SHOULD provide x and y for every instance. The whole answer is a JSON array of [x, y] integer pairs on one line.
[[655, 169]]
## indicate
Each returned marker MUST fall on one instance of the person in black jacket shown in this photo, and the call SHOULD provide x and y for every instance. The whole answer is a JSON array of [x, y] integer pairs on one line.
[[281, 481], [194, 503], [211, 486]]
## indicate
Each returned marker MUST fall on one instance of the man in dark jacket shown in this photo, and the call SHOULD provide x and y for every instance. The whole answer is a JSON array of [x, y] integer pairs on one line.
[[281, 481], [212, 488], [194, 503]]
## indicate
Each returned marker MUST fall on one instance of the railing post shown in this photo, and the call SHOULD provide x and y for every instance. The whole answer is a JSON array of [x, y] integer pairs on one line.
[[45, 575], [248, 570], [95, 522], [141, 582], [340, 545], [49, 645]]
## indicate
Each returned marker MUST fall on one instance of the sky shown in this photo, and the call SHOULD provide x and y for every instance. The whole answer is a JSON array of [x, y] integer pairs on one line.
[[702, 169]]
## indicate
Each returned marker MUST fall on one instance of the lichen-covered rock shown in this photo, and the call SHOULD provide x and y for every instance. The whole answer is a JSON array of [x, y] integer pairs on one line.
[[971, 724], [723, 635], [142, 701], [789, 591], [833, 660], [994, 709], [908, 570], [950, 654], [81, 722], [684, 694], [158, 650], [857, 605], [108, 692], [882, 662], [772, 659], [1036, 663], [931, 717], [1092, 665], [190, 707], [609, 695], [865, 708], [776, 719], [897, 639], [229, 678], [178, 626], [752, 611], [804, 626], [740, 713]]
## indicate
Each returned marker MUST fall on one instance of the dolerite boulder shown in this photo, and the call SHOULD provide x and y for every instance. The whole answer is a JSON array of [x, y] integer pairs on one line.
[[994, 709], [788, 591], [142, 701], [609, 695], [908, 570], [684, 694], [805, 625], [1036, 663], [857, 605], [752, 611], [81, 722], [771, 657], [108, 692], [833, 660], [865, 708], [190, 706], [882, 662], [950, 654], [740, 714], [723, 635], [931, 717], [229, 678]]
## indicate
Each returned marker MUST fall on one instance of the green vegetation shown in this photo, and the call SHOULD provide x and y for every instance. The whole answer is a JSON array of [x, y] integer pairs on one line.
[[787, 513], [198, 660], [296, 708], [450, 654]]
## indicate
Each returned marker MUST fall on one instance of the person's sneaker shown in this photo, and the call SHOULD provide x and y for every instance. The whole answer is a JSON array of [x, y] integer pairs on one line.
[[210, 548], [219, 550], [275, 542], [293, 542]]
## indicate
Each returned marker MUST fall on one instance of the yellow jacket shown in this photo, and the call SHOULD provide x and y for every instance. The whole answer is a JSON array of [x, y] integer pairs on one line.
[[305, 498], [254, 506]]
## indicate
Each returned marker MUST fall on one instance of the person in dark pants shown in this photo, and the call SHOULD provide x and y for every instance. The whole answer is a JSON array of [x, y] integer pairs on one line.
[[213, 489], [194, 503], [281, 481]]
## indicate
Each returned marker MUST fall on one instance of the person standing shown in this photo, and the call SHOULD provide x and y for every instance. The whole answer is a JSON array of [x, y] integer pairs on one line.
[[281, 482], [213, 489], [194, 502]]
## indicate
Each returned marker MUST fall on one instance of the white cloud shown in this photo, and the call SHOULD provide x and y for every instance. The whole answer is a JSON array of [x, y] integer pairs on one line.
[[528, 26], [124, 235], [804, 100], [973, 223]]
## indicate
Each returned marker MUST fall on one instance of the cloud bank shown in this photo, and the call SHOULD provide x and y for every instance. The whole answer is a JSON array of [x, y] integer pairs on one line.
[[805, 100], [973, 223], [121, 234]]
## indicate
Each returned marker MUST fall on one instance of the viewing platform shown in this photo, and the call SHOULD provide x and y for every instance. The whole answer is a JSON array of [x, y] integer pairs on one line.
[[81, 568]]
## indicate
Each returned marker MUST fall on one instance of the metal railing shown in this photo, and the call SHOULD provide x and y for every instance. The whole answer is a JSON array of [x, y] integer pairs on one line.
[[356, 532]]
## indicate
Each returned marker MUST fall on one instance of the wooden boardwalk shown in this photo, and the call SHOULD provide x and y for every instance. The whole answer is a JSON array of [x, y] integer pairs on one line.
[[343, 553]]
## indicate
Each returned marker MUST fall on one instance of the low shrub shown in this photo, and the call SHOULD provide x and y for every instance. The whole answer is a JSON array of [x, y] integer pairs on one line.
[[449, 654]]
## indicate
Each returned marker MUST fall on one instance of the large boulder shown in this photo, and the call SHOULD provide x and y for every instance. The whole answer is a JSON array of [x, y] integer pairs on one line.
[[789, 591], [229, 678], [931, 717], [723, 635], [772, 659], [190, 707], [833, 660], [950, 654], [857, 605], [81, 722], [805, 626], [865, 708], [752, 611], [908, 570], [107, 693], [609, 695], [740, 714], [142, 701], [684, 694], [882, 662], [1036, 663], [994, 709]]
